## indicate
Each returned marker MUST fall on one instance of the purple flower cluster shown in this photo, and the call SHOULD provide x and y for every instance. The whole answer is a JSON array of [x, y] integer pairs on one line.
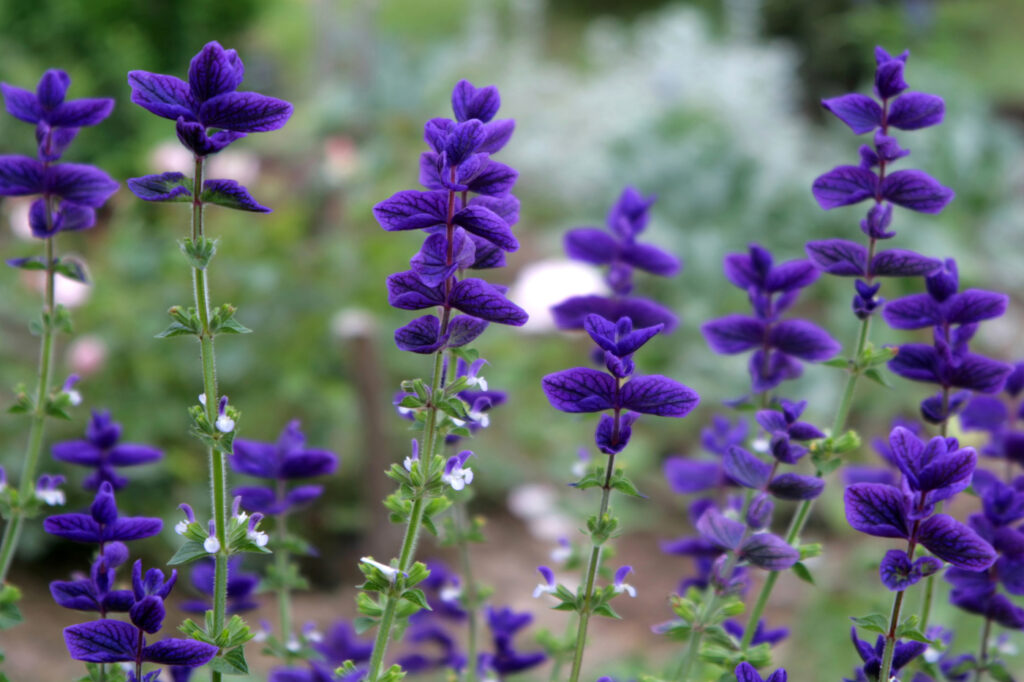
[[462, 232], [209, 100], [242, 587], [338, 645], [895, 107], [505, 659], [977, 590], [997, 418], [618, 249], [954, 317], [102, 451], [280, 463], [780, 344], [70, 192]]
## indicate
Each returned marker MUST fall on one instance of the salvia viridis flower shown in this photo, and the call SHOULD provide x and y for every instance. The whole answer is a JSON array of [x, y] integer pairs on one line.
[[103, 451], [504, 659], [872, 179], [241, 587], [103, 523], [464, 232], [286, 461], [618, 249], [954, 317], [780, 345], [998, 419]]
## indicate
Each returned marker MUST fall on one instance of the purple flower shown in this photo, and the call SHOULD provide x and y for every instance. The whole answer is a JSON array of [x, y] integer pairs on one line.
[[102, 524], [504, 624], [904, 653], [747, 673], [95, 592], [783, 428], [286, 460], [209, 100], [102, 451], [618, 249], [779, 345], [241, 587], [762, 635], [57, 119]]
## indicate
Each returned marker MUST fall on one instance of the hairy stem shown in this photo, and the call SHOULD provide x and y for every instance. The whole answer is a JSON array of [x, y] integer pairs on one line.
[[463, 524], [12, 532], [595, 560], [281, 559]]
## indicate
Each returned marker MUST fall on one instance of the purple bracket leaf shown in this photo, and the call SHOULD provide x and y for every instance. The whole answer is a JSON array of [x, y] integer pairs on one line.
[[745, 468], [839, 257], [955, 543], [844, 185], [162, 187], [877, 509], [724, 532], [658, 395], [230, 194], [769, 552], [860, 112], [916, 190], [580, 390]]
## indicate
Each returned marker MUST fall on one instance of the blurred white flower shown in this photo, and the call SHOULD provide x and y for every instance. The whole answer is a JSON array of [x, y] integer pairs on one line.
[[87, 354], [546, 283]]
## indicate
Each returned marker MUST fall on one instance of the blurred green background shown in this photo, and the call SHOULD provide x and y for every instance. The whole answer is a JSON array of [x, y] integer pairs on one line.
[[710, 105]]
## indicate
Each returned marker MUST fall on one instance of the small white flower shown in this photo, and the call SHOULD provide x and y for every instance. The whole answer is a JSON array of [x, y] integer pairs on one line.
[[549, 586], [408, 463], [260, 635], [313, 635], [293, 645], [225, 424], [211, 544], [561, 553], [202, 399], [481, 418], [51, 496], [761, 445], [458, 478], [450, 592], [180, 527], [74, 397], [479, 382], [579, 468], [258, 537], [458, 422], [390, 572], [404, 411]]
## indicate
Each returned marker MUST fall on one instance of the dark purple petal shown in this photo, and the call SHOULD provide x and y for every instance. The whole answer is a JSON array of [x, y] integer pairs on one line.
[[839, 257], [897, 572], [80, 452], [984, 413], [119, 601], [162, 187], [902, 263], [245, 112], [611, 440], [914, 110], [650, 259], [412, 210], [912, 312], [464, 329], [790, 486], [769, 552], [214, 71], [79, 183], [76, 527], [259, 499], [724, 532], [860, 112], [746, 673], [52, 88], [102, 641], [481, 299], [955, 543], [742, 270], [422, 335], [590, 245], [309, 463], [978, 373], [658, 395], [148, 613], [771, 420], [162, 95], [186, 652], [790, 276], [686, 476], [303, 494], [462, 140], [917, 362], [80, 113], [254, 458], [975, 305], [916, 190], [472, 102], [193, 136], [876, 509], [132, 528], [496, 135], [230, 194], [20, 175], [733, 333], [947, 475], [407, 292], [889, 80], [496, 179], [21, 104], [483, 222], [569, 314], [77, 594], [844, 185], [745, 468], [580, 390], [129, 454], [804, 340]]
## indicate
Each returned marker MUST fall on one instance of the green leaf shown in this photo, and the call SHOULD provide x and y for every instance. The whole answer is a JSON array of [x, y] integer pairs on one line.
[[230, 194], [362, 624], [607, 611], [840, 363], [877, 377], [998, 672], [418, 598], [876, 622], [187, 553], [10, 615], [72, 269], [230, 663], [624, 485], [800, 571], [199, 253]]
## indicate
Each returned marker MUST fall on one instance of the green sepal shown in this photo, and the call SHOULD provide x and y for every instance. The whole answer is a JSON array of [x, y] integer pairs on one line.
[[10, 615], [717, 636], [469, 355], [183, 322], [875, 622], [363, 624], [839, 363], [368, 606], [810, 550], [22, 402], [908, 629], [200, 252], [231, 662], [800, 571], [602, 529], [877, 377], [187, 553], [621, 483], [607, 611], [223, 321], [416, 596]]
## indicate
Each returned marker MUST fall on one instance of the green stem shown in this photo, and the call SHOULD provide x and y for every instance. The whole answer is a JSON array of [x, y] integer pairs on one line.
[[12, 532], [218, 474], [415, 523], [284, 597], [890, 639], [595, 560], [986, 631], [463, 524], [803, 510], [558, 661]]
